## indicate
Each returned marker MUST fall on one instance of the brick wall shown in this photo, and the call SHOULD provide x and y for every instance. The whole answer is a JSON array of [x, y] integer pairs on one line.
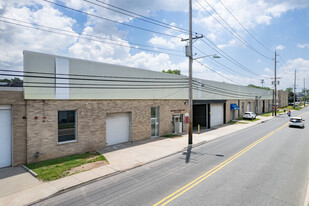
[[16, 101], [91, 123]]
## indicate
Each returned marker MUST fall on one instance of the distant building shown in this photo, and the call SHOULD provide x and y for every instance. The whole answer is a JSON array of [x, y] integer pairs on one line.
[[283, 98]]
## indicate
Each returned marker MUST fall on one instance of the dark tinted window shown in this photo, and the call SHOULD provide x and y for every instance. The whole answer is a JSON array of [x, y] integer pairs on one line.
[[66, 126]]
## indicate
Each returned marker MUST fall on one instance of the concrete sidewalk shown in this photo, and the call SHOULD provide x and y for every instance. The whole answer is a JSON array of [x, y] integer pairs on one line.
[[23, 190]]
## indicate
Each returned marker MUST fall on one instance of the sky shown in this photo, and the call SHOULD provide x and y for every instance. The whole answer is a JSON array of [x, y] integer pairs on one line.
[[244, 33]]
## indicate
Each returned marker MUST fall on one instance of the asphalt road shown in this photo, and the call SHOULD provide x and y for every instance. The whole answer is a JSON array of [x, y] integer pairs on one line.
[[267, 164]]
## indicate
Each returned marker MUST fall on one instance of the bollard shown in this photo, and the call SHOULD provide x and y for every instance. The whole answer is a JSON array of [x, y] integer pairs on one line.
[[198, 129]]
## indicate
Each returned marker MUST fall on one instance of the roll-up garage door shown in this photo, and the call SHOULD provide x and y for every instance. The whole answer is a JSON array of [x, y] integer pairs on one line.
[[117, 128], [5, 136], [216, 114]]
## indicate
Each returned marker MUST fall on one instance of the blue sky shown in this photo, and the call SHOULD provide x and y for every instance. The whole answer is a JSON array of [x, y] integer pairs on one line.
[[282, 25]]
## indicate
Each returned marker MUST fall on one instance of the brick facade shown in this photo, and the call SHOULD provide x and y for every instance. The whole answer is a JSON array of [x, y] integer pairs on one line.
[[91, 123]]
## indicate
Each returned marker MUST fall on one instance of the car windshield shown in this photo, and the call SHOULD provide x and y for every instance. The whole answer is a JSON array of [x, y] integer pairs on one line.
[[295, 120], [248, 113]]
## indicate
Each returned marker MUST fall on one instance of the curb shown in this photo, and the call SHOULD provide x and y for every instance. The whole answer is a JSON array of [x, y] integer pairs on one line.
[[142, 164], [306, 203], [30, 171]]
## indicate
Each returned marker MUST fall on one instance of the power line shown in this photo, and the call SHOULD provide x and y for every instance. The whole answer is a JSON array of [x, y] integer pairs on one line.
[[245, 28], [110, 20], [95, 36], [149, 50], [224, 66], [146, 19], [178, 79], [82, 79], [235, 34], [215, 71], [231, 59]]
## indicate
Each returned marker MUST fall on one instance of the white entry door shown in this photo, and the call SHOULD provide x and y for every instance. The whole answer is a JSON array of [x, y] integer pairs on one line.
[[5, 136], [216, 114], [117, 128]]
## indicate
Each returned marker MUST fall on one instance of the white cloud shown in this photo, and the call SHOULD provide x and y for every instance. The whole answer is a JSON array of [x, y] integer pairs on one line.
[[280, 47], [171, 43], [303, 46], [268, 70], [16, 39], [229, 44], [287, 72]]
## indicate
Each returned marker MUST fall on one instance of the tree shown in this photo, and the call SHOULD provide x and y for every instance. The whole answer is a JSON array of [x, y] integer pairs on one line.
[[289, 89], [16, 82], [175, 71], [254, 86], [290, 94]]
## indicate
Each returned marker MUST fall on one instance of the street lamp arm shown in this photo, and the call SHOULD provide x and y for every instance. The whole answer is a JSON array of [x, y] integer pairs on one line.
[[213, 55]]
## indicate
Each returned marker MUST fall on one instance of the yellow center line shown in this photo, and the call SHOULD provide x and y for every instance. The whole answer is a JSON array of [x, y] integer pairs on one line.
[[198, 180]]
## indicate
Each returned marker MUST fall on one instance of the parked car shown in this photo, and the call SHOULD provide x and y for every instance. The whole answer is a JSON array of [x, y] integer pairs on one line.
[[249, 115], [296, 122]]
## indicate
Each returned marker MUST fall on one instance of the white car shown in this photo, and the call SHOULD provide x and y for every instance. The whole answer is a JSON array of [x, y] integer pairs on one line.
[[249, 115], [296, 122]]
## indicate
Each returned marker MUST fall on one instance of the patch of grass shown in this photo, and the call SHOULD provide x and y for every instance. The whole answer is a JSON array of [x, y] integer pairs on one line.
[[266, 114], [291, 108], [171, 135], [251, 120], [57, 168], [242, 123], [232, 122]]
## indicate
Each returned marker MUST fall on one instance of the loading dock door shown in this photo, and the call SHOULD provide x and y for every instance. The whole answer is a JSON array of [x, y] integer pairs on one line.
[[199, 115], [5, 136], [216, 114], [117, 128]]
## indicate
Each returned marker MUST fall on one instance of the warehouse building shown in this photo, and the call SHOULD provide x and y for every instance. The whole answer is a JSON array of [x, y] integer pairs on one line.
[[70, 106]]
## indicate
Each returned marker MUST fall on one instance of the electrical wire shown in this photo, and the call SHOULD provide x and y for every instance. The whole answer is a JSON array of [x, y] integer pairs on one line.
[[95, 36], [229, 58], [83, 79], [145, 19], [110, 20], [195, 82], [235, 34], [245, 28], [226, 68], [215, 72], [178, 79], [79, 37]]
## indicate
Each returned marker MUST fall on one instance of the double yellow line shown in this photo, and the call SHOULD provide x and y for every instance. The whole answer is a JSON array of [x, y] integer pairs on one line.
[[198, 180]]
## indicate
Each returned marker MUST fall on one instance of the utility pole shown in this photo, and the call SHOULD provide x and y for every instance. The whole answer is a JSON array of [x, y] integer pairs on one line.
[[304, 91], [190, 76], [294, 89], [275, 83], [262, 81]]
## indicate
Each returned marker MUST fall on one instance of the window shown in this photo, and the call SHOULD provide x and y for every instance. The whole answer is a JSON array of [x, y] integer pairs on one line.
[[66, 126]]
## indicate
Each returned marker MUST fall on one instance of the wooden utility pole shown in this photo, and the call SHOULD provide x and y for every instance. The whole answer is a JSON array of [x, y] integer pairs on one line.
[[304, 91], [190, 76], [275, 83], [294, 89]]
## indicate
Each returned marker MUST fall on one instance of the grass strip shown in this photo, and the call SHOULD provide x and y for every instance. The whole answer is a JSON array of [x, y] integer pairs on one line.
[[57, 168]]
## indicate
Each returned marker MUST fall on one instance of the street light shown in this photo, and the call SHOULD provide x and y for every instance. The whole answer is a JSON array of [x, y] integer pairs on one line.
[[190, 139], [215, 56]]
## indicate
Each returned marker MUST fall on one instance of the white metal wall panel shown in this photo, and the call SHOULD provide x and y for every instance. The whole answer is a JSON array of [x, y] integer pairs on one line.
[[5, 136], [37, 62], [216, 115], [62, 71], [117, 128], [248, 106]]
